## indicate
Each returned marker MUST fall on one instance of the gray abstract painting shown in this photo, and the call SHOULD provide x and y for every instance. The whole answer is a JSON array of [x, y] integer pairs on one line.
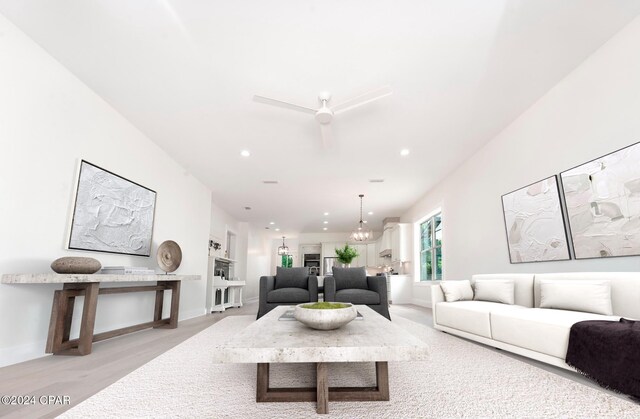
[[112, 214], [534, 222], [603, 205]]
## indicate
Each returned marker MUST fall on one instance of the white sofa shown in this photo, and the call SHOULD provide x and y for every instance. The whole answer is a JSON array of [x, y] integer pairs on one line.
[[524, 328]]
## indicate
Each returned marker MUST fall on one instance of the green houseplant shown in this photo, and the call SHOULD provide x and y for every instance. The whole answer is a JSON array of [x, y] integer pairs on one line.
[[346, 254]]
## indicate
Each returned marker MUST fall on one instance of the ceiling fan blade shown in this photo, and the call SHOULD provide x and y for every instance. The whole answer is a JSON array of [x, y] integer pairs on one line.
[[362, 99], [327, 135], [286, 105]]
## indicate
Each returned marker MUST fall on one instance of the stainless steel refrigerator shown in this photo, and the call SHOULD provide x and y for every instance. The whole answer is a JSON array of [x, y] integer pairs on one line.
[[327, 266]]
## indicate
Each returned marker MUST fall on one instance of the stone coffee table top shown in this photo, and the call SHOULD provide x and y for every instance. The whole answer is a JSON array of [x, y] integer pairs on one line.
[[270, 340]]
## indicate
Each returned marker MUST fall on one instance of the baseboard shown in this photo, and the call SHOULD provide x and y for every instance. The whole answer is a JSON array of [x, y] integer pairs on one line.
[[21, 353], [420, 302], [190, 314]]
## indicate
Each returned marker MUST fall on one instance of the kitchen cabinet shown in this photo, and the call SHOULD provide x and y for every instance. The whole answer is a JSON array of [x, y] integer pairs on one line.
[[372, 254], [401, 242], [361, 260]]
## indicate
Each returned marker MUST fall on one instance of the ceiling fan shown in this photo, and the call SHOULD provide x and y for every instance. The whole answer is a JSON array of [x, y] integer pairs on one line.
[[324, 114]]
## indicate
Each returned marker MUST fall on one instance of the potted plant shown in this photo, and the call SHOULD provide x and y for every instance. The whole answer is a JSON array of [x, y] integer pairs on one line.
[[346, 254]]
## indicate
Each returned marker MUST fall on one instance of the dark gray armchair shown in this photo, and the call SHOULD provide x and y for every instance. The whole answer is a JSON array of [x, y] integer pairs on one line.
[[290, 286], [352, 285]]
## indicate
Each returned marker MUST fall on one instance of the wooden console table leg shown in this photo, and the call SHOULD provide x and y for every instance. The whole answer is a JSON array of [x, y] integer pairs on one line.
[[88, 318], [174, 286], [157, 313], [175, 304], [322, 388], [56, 323]]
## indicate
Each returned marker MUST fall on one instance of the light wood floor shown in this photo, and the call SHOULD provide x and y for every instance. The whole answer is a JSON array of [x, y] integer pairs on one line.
[[82, 377]]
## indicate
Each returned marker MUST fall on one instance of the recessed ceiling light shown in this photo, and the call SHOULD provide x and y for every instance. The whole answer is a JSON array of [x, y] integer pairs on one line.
[[324, 228], [370, 213], [270, 182], [404, 152], [376, 180], [365, 221], [272, 223], [326, 213], [326, 222], [277, 229], [245, 153]]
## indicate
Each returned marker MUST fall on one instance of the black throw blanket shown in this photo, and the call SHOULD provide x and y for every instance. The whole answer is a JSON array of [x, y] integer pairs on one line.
[[607, 352]]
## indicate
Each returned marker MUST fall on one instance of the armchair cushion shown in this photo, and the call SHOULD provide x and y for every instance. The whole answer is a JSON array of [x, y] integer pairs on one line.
[[358, 296], [348, 278], [292, 278], [288, 295]]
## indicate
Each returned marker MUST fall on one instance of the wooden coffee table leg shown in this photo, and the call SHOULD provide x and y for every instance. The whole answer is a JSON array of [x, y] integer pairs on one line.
[[322, 388], [382, 379], [262, 385], [85, 341]]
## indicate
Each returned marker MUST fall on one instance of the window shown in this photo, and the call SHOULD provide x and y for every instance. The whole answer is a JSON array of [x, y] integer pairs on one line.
[[431, 248]]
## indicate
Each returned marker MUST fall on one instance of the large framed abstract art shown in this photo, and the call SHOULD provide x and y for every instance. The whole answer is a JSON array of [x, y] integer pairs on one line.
[[111, 214], [535, 223], [603, 204]]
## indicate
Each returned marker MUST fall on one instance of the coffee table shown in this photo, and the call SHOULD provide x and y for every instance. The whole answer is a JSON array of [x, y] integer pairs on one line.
[[373, 339]]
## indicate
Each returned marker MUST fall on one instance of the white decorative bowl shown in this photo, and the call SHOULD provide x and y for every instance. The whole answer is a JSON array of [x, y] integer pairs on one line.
[[325, 319]]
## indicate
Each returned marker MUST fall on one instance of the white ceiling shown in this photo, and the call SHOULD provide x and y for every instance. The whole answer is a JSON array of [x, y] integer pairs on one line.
[[184, 72]]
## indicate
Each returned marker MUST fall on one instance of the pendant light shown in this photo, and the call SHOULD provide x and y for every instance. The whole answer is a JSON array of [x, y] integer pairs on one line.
[[283, 250], [360, 234]]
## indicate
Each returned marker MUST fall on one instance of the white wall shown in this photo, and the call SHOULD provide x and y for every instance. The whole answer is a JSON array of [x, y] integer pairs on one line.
[[593, 111], [49, 120]]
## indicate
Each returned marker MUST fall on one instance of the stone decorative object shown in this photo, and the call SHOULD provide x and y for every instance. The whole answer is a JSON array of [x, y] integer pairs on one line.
[[169, 256], [75, 265], [325, 318]]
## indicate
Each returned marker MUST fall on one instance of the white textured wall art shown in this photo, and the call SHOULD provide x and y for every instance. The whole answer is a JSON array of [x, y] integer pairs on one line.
[[603, 205], [534, 223], [112, 214]]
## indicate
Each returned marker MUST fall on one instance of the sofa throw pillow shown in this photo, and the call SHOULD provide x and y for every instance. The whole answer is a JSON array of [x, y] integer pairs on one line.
[[496, 290], [292, 277], [590, 296], [347, 278], [457, 290]]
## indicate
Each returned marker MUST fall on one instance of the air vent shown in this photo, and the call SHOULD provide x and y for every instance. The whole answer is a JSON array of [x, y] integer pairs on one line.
[[270, 182], [376, 180], [247, 208]]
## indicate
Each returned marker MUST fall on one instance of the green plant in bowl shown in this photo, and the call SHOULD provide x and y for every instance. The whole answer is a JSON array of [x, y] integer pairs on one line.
[[346, 254]]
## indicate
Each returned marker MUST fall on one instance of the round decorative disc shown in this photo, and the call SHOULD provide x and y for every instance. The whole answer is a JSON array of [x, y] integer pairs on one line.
[[169, 256]]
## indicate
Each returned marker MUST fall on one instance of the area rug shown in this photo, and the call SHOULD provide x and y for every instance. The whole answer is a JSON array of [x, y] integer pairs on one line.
[[460, 380]]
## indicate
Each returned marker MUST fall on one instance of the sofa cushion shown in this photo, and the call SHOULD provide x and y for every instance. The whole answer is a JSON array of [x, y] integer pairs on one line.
[[292, 278], [358, 296], [496, 290], [471, 316], [591, 296], [523, 283], [350, 278], [539, 329], [288, 295], [457, 290]]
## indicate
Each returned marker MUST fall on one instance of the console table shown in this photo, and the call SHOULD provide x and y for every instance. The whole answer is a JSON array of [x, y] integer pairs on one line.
[[58, 341]]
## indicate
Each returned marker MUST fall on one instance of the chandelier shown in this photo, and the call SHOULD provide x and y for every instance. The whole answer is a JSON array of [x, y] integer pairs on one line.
[[283, 250], [361, 234]]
